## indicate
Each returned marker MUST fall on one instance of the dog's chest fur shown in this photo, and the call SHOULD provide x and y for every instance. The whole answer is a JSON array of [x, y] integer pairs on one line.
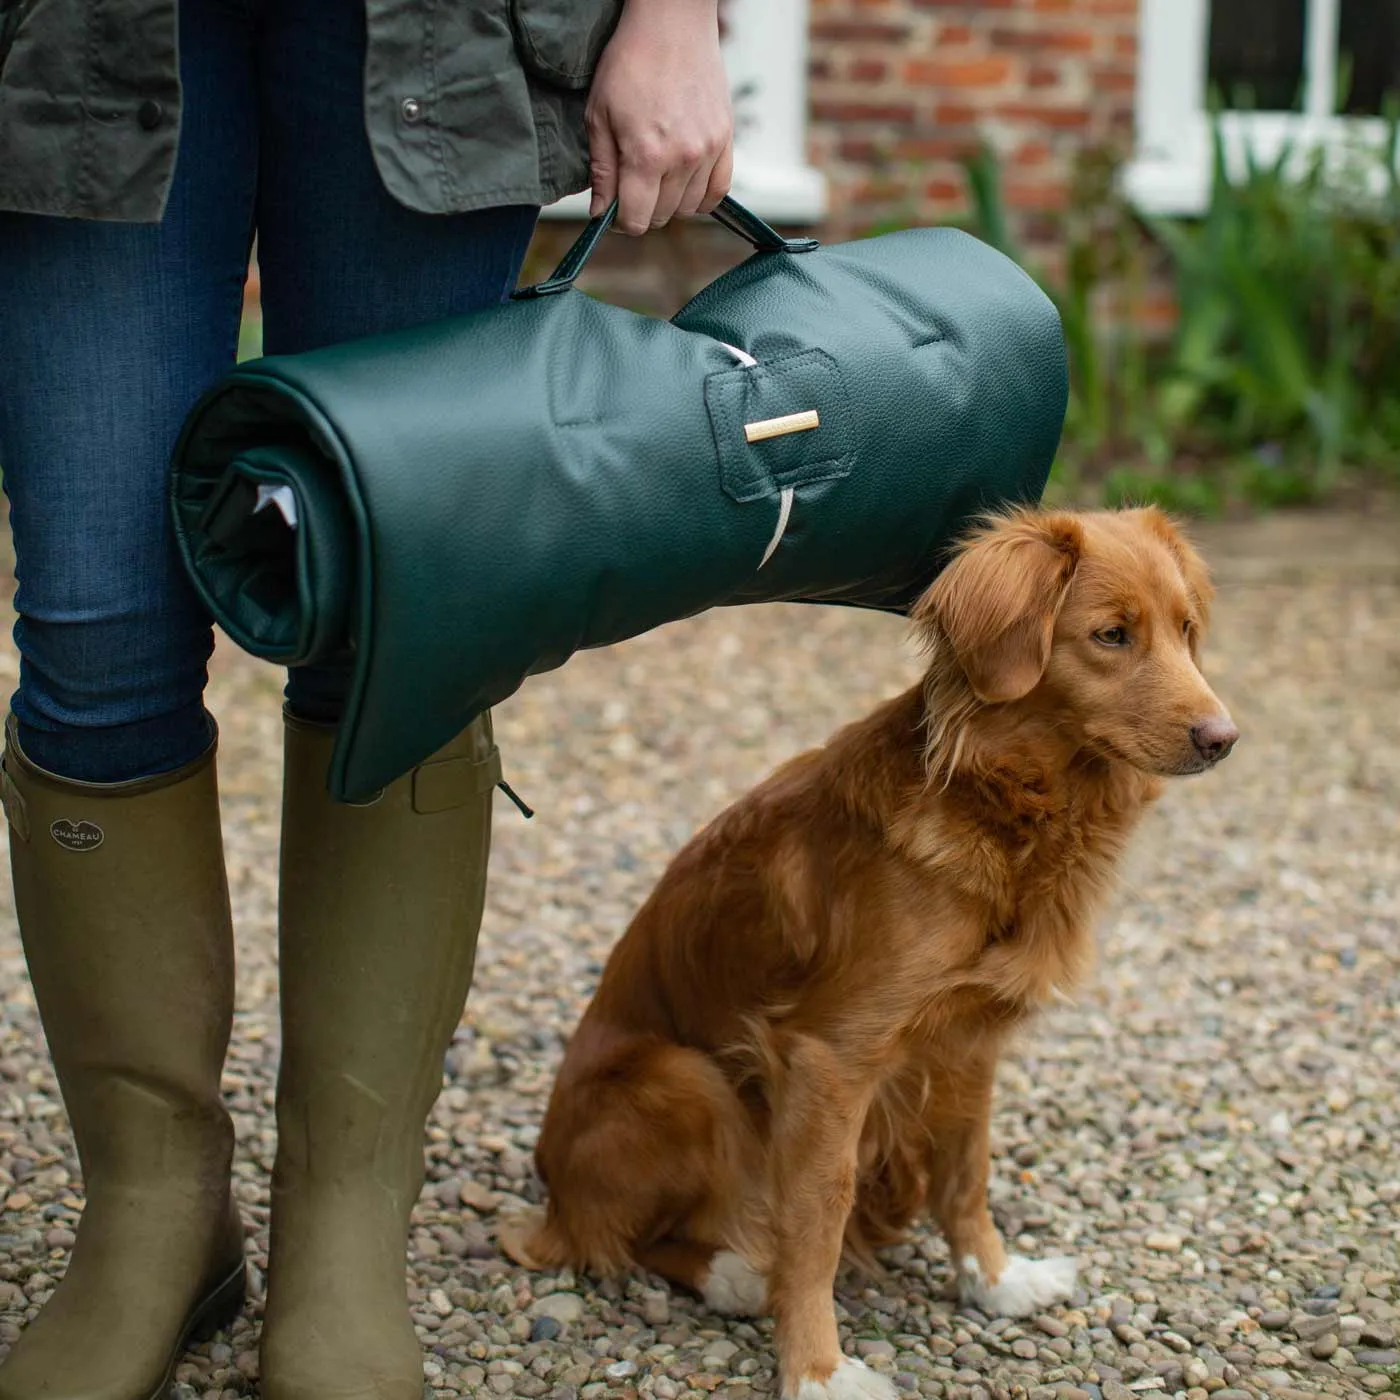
[[1028, 855]]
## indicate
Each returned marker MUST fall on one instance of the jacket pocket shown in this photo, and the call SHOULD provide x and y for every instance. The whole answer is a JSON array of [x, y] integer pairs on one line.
[[560, 41]]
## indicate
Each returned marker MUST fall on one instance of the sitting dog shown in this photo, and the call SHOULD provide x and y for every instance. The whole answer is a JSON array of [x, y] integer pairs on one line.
[[790, 1054]]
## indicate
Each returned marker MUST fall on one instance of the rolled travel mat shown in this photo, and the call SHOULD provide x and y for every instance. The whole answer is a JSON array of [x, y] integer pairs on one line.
[[456, 507]]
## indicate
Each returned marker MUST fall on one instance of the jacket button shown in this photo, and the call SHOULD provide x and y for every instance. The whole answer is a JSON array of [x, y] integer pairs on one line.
[[149, 114], [412, 110]]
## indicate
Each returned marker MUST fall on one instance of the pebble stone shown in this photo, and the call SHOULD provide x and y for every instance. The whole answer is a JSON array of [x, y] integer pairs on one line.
[[1210, 1128], [562, 1308], [1309, 1326], [545, 1329], [1378, 1358]]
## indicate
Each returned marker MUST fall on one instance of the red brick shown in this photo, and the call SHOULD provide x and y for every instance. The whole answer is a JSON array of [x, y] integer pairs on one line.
[[1036, 194], [911, 82], [1107, 80], [967, 73], [859, 150], [868, 70], [944, 191], [1059, 118], [954, 114], [859, 31], [877, 189], [1044, 40], [931, 148], [1032, 153], [863, 111]]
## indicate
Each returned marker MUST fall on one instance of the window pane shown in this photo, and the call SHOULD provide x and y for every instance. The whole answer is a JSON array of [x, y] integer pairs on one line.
[[1257, 45], [1370, 43]]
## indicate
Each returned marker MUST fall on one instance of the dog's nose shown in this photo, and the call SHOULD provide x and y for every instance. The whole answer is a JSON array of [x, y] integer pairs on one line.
[[1214, 737]]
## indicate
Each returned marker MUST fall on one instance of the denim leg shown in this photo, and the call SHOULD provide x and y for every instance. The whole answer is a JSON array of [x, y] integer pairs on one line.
[[108, 333], [338, 255]]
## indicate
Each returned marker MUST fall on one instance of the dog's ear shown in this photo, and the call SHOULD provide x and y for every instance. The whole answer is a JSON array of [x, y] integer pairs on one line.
[[1194, 571], [995, 605]]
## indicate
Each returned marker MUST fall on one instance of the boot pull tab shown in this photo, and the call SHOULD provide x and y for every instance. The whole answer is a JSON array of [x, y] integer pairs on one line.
[[452, 782], [520, 805]]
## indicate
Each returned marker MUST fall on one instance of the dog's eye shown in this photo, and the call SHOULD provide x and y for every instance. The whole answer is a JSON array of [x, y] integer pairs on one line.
[[1186, 628], [1112, 636]]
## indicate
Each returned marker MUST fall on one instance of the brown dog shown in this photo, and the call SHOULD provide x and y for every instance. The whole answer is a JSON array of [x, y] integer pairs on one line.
[[791, 1052]]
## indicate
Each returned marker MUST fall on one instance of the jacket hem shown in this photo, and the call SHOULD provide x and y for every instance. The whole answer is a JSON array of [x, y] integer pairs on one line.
[[537, 192], [17, 202]]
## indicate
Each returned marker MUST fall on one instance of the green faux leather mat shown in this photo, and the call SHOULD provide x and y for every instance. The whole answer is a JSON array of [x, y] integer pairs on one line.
[[465, 504]]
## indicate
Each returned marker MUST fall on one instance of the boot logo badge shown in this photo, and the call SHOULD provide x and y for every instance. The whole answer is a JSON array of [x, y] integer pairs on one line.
[[77, 836]]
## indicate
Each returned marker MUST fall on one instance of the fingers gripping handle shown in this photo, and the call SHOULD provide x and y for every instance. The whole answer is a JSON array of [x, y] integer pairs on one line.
[[728, 212]]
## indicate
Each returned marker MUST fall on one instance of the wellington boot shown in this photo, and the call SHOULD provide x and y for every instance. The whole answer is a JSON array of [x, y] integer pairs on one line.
[[380, 906], [123, 911]]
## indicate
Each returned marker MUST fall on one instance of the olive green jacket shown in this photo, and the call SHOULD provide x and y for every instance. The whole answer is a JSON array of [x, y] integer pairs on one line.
[[468, 103]]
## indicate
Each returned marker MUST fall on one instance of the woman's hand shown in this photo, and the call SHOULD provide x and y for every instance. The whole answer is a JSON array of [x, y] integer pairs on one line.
[[660, 122]]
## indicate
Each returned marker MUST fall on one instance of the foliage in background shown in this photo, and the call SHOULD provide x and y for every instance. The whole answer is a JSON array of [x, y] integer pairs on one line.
[[249, 338], [1281, 376]]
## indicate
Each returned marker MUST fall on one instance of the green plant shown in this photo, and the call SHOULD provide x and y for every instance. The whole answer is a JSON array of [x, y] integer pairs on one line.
[[1289, 313], [1282, 372], [1102, 249], [249, 338]]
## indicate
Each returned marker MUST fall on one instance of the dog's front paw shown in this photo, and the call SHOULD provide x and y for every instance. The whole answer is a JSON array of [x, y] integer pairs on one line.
[[734, 1288], [1026, 1286], [851, 1380], [517, 1234]]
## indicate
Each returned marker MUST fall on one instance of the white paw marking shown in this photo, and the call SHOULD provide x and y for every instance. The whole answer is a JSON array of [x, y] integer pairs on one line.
[[734, 1288], [1026, 1286], [851, 1380]]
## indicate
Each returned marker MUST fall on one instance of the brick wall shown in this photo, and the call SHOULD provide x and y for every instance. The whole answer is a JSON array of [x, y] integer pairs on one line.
[[901, 90]]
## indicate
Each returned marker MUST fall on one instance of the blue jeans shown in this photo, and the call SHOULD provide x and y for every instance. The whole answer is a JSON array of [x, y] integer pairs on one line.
[[109, 332]]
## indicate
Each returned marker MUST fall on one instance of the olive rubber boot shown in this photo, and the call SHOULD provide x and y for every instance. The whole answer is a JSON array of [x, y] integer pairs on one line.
[[380, 905], [123, 911]]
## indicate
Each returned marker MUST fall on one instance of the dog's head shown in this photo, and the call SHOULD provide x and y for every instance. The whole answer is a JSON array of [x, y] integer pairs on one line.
[[1091, 620]]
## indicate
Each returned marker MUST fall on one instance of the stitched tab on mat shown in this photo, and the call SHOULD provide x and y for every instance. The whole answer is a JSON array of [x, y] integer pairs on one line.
[[809, 381], [453, 782]]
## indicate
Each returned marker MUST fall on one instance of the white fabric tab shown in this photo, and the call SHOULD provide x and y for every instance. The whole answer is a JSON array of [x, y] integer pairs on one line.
[[786, 496], [283, 497], [784, 513]]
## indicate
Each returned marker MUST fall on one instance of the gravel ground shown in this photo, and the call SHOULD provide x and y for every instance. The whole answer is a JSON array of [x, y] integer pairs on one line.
[[1214, 1129]]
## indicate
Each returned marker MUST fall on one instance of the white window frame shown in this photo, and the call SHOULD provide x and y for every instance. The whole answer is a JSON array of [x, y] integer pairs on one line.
[[1171, 170], [765, 55]]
